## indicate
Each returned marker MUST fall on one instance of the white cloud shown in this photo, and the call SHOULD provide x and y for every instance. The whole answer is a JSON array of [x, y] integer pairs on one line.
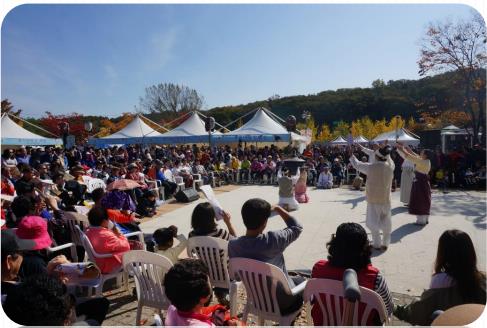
[[161, 47]]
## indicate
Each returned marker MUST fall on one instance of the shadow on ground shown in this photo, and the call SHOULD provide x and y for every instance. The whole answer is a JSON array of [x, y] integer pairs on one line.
[[471, 206], [403, 231]]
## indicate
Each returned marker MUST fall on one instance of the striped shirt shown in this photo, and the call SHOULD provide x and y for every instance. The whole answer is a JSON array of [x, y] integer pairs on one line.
[[382, 289]]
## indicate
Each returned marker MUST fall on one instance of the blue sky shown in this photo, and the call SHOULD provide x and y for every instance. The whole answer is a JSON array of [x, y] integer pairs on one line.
[[98, 59]]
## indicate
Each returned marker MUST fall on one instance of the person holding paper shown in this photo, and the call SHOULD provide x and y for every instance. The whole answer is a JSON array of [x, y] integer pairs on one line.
[[204, 224]]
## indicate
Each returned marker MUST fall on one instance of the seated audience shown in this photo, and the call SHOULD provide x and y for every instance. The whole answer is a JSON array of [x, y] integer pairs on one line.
[[456, 280], [325, 180], [188, 289], [203, 223], [106, 239], [349, 248], [269, 246], [164, 239]]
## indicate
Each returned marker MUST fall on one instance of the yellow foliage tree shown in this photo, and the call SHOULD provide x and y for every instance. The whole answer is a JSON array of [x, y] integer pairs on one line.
[[341, 129], [396, 122], [356, 128], [380, 127], [367, 127], [325, 133]]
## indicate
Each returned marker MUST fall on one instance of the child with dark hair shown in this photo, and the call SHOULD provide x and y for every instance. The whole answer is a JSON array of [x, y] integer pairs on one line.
[[164, 239], [147, 204], [349, 248], [188, 288]]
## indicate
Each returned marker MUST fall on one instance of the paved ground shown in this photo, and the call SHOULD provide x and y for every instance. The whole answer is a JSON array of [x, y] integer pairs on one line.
[[407, 264]]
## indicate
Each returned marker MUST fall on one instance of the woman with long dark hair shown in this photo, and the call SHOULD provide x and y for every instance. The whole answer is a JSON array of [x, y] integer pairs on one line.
[[420, 199], [349, 248], [456, 280]]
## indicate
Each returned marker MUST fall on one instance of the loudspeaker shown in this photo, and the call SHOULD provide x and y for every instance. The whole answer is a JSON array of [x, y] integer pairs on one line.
[[187, 195]]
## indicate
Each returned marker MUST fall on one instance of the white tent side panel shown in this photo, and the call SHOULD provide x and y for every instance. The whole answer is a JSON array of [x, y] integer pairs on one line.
[[15, 135]]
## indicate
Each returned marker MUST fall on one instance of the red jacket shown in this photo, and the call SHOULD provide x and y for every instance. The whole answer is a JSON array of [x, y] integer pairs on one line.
[[366, 278], [105, 241]]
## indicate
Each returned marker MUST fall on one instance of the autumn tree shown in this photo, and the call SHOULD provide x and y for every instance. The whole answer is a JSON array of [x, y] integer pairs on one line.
[[342, 128], [325, 133], [171, 97], [7, 107], [460, 46], [76, 121]]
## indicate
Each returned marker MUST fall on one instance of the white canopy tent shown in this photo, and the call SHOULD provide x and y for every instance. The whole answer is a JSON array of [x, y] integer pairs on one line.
[[135, 132], [449, 133], [360, 140], [339, 142], [15, 135], [400, 135], [192, 130], [262, 128]]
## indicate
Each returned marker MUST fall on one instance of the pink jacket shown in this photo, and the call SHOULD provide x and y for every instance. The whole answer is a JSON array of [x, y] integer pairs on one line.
[[105, 241]]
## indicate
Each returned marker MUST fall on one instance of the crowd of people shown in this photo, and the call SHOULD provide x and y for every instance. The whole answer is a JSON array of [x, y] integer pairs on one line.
[[40, 186]]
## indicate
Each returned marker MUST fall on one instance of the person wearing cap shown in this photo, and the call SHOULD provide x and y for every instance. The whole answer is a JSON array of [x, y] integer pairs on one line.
[[77, 172], [325, 180], [378, 194], [12, 258], [349, 248]]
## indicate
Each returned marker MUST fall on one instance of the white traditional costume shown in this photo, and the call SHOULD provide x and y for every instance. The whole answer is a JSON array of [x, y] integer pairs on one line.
[[378, 195], [286, 190], [407, 177]]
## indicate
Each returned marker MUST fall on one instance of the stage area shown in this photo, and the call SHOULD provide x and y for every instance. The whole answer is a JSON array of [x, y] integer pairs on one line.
[[407, 264]]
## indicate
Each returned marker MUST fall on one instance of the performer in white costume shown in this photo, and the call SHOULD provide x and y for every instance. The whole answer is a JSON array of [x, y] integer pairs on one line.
[[286, 189], [378, 194], [369, 152], [407, 176]]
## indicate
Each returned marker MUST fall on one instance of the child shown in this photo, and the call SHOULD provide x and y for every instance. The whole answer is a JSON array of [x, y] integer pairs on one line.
[[164, 239], [188, 289], [147, 204]]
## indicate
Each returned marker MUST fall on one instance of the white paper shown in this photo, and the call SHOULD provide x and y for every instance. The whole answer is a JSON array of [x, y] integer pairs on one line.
[[210, 196]]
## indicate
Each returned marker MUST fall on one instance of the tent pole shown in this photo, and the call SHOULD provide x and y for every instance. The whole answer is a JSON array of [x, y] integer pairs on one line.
[[252, 111], [33, 125], [215, 122], [273, 115], [148, 119]]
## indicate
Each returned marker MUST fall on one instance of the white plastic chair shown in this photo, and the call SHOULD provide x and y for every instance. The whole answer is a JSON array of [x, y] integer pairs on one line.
[[73, 220], [214, 253], [71, 246], [197, 180], [93, 184], [148, 270], [120, 274], [262, 298], [333, 316], [180, 182]]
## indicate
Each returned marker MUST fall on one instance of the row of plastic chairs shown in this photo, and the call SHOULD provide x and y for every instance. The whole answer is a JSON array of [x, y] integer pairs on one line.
[[149, 269]]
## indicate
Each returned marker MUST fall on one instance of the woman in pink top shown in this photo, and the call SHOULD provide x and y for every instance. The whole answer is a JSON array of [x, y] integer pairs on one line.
[[300, 188], [106, 239]]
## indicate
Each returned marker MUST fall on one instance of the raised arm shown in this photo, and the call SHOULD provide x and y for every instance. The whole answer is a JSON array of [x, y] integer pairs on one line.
[[358, 165]]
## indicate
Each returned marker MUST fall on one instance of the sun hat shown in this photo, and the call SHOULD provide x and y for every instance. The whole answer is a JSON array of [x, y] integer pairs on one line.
[[34, 228]]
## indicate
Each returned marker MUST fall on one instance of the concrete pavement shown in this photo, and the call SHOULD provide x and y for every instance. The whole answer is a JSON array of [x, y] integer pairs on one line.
[[407, 264]]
